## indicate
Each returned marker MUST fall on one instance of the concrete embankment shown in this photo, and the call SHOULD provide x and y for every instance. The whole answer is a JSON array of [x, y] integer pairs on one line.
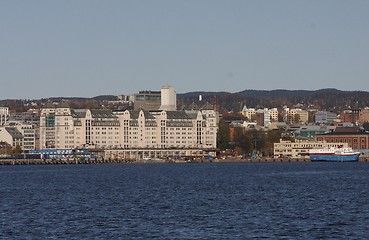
[[266, 159], [107, 161], [78, 161], [58, 161]]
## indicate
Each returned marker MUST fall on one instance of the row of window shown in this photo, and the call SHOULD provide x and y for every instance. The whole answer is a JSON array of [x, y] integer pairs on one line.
[[349, 140]]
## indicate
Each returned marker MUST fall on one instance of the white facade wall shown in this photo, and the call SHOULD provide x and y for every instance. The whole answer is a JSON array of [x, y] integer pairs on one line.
[[273, 114], [129, 129], [4, 115], [211, 127], [64, 129], [5, 136], [29, 139], [56, 128], [165, 130], [99, 130], [168, 98]]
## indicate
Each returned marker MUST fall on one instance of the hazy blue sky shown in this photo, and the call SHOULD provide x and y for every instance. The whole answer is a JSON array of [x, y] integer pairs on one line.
[[89, 48]]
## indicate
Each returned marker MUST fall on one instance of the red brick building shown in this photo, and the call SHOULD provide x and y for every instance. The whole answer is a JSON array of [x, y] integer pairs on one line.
[[356, 140], [351, 115]]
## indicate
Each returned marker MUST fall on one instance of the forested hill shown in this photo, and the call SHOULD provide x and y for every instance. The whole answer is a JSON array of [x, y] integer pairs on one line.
[[323, 99]]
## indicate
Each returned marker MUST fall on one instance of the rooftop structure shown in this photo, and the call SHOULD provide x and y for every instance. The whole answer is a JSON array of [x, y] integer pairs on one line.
[[147, 100], [168, 98]]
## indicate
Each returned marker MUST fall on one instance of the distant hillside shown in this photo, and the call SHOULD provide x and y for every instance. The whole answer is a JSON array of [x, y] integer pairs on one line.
[[324, 99], [98, 98]]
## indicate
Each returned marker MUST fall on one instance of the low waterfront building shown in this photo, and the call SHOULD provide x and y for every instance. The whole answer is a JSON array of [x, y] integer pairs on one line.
[[300, 148], [159, 154], [355, 140], [309, 132]]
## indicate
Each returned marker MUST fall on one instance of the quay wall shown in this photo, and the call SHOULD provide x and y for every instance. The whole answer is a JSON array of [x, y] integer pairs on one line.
[[141, 161]]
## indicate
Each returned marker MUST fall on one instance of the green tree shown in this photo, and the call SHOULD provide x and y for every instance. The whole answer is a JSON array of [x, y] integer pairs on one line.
[[248, 143], [223, 135]]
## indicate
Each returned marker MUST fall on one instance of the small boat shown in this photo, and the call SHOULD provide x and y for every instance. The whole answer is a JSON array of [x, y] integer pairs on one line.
[[334, 154]]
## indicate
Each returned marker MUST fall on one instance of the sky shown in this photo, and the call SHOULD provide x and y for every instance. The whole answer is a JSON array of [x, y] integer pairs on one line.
[[86, 48]]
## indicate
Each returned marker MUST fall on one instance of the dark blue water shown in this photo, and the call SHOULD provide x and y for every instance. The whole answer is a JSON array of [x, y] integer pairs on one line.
[[185, 201]]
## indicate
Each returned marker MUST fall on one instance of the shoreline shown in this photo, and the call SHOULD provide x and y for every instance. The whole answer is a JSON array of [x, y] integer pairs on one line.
[[156, 161]]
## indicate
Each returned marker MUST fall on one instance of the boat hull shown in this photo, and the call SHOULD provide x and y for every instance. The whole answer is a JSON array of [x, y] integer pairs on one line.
[[335, 158]]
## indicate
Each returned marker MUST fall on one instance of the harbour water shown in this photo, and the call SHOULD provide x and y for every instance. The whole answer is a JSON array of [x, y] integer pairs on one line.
[[185, 201]]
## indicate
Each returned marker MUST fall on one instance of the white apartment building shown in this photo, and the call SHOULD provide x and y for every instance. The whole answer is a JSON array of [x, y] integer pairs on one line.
[[28, 133], [4, 115], [64, 128], [273, 114], [250, 113], [168, 129], [96, 127], [56, 127]]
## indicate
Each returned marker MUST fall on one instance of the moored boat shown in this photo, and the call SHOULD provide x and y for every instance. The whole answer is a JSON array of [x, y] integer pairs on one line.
[[337, 154]]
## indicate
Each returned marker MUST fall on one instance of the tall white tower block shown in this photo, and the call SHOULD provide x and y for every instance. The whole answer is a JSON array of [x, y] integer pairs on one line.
[[168, 98]]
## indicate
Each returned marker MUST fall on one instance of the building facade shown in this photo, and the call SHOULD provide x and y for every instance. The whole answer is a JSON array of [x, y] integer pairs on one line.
[[300, 149], [325, 117], [364, 115], [147, 100], [64, 128], [355, 140], [56, 127], [12, 136], [350, 115], [29, 137], [168, 98], [296, 115], [249, 113], [4, 115]]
